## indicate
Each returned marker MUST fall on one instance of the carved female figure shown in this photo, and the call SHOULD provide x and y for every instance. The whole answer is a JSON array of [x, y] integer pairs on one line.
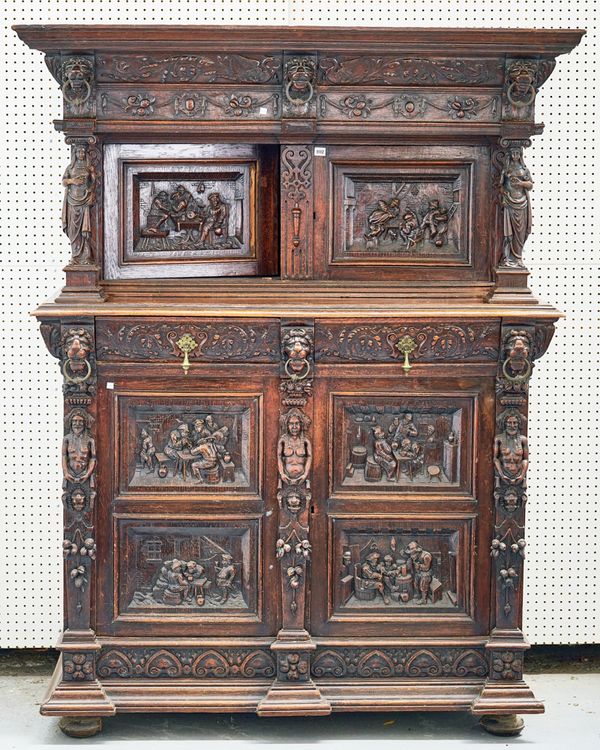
[[294, 451], [79, 181], [515, 184]]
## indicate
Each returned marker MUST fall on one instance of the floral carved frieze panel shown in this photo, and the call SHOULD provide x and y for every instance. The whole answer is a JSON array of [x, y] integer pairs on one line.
[[218, 341], [365, 342]]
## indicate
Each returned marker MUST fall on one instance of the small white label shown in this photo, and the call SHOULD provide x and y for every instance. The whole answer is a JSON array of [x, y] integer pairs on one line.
[[320, 151], [110, 386], [263, 111]]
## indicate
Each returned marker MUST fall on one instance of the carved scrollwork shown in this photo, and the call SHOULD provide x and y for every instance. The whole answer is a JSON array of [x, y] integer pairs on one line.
[[210, 663], [205, 68], [217, 341], [392, 70], [376, 343], [394, 663]]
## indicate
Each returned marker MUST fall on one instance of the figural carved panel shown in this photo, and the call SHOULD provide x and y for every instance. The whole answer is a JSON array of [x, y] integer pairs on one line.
[[395, 567], [401, 214], [200, 444], [402, 443], [187, 568]]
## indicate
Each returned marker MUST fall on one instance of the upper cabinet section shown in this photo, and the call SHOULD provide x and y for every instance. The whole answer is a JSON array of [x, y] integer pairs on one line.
[[305, 83]]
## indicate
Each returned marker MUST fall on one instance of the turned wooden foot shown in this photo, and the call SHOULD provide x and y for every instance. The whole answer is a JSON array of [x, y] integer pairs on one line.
[[80, 726], [508, 725]]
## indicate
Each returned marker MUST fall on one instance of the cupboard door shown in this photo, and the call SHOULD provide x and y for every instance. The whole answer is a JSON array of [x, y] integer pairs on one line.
[[186, 502], [402, 516]]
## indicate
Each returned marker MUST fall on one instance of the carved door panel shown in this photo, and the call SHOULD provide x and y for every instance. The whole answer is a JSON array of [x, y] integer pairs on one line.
[[185, 502], [402, 504], [408, 212]]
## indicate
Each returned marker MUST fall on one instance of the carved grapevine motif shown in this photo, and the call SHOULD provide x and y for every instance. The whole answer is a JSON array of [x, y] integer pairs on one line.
[[366, 343], [216, 341]]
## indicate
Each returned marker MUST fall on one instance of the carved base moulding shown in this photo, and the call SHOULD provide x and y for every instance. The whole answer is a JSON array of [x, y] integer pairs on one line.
[[295, 358]]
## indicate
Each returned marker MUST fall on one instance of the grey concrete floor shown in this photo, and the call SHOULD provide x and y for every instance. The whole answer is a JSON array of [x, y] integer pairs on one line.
[[571, 722]]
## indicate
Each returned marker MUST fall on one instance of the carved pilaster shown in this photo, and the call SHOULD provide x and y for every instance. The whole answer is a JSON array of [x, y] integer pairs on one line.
[[297, 211], [293, 690], [506, 646], [73, 343]]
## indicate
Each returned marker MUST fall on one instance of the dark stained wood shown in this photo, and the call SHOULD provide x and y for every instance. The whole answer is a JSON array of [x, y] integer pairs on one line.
[[296, 340]]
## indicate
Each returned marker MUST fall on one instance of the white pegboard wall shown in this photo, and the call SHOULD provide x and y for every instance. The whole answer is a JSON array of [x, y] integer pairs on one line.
[[563, 254]]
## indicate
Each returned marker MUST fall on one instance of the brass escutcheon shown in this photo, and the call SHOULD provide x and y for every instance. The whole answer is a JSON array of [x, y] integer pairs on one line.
[[187, 343], [406, 346]]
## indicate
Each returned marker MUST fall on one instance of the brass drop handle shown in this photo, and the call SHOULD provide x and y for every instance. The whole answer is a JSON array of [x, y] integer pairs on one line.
[[187, 344], [406, 346]]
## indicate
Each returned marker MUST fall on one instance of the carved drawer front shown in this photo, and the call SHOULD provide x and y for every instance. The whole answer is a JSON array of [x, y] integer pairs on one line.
[[429, 341], [402, 212], [187, 569], [400, 443], [180, 443], [216, 341]]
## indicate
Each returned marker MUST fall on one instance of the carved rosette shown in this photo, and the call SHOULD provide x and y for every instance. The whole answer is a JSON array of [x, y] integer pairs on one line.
[[72, 342], [297, 210]]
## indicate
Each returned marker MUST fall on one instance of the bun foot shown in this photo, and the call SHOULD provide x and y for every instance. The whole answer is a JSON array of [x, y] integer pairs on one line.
[[507, 725], [80, 726]]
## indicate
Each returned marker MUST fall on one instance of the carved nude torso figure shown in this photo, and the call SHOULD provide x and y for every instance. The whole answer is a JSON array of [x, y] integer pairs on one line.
[[79, 452], [294, 455]]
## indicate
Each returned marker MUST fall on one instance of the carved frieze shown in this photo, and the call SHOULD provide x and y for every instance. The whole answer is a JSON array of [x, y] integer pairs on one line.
[[392, 70], [375, 663], [202, 68], [408, 106], [218, 341], [373, 342], [208, 663], [188, 105]]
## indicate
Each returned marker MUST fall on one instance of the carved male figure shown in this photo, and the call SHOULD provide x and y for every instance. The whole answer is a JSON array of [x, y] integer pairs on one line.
[[158, 216], [225, 576], [515, 184], [419, 563], [147, 451], [294, 451], [372, 577], [511, 451], [79, 449], [402, 427], [197, 582], [380, 217], [208, 457], [79, 181], [382, 453], [435, 222], [217, 214]]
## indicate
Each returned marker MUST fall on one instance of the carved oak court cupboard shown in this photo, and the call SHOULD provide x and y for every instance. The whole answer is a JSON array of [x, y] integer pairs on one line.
[[296, 338]]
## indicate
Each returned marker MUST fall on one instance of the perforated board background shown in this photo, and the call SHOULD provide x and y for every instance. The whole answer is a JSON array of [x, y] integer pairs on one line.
[[563, 253]]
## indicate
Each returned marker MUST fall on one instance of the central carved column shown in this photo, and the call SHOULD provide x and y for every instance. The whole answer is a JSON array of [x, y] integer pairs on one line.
[[293, 692]]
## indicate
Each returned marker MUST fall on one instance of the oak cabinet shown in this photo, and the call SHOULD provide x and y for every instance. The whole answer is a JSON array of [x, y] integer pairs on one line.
[[296, 339]]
